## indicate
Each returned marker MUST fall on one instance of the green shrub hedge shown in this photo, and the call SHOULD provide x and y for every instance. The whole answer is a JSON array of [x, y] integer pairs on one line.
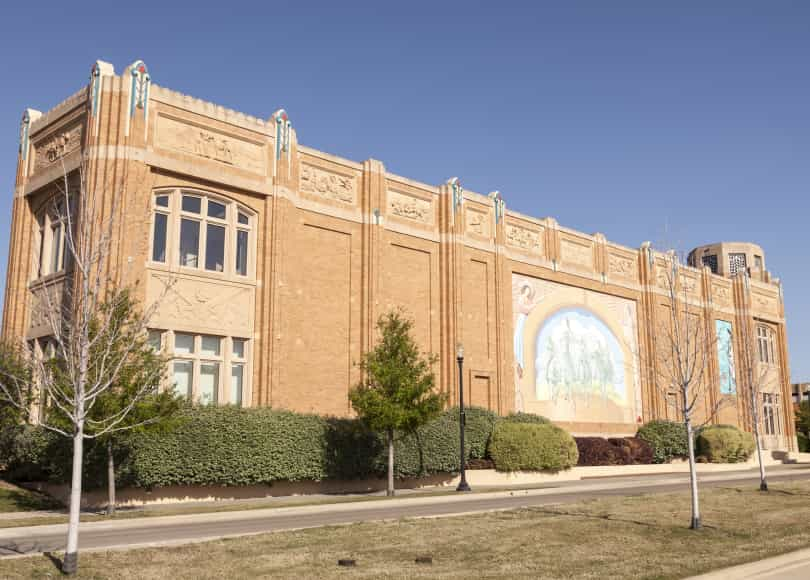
[[804, 442], [668, 440], [231, 446], [527, 446], [724, 444], [525, 418]]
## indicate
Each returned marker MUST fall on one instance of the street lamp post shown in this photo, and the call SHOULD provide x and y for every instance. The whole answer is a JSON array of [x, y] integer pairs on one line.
[[462, 419]]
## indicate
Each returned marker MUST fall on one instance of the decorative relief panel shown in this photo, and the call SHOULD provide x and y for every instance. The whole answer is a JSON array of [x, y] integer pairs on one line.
[[576, 253], [478, 223], [764, 303], [524, 238], [410, 207], [57, 146], [721, 295], [622, 266], [44, 300], [209, 144], [327, 184], [204, 305], [689, 284]]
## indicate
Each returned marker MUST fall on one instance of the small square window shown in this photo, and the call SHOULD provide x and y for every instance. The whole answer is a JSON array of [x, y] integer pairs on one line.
[[243, 218], [192, 204], [183, 343], [239, 347], [216, 210], [156, 339], [210, 345], [162, 201]]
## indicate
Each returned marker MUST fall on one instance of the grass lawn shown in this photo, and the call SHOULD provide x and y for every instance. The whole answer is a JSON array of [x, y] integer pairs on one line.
[[16, 499], [633, 537]]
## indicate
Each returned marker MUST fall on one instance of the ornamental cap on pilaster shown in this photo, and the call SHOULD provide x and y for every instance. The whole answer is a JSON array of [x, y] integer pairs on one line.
[[28, 117], [99, 70]]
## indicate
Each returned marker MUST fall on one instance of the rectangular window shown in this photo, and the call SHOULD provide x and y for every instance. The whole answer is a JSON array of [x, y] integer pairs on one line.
[[191, 204], [189, 242], [155, 339], [215, 248], [56, 247], [162, 201], [243, 218], [41, 262], [237, 381], [216, 210], [239, 347], [210, 345], [159, 238], [209, 382], [183, 343], [241, 252], [182, 373]]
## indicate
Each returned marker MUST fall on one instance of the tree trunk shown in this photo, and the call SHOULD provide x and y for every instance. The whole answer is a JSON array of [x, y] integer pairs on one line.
[[763, 483], [690, 441], [390, 491], [71, 562], [110, 479]]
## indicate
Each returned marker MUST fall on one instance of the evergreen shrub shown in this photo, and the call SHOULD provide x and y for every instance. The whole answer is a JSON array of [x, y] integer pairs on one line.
[[724, 444], [667, 438], [532, 447]]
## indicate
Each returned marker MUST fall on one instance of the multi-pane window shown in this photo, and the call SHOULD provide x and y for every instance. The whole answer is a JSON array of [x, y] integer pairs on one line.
[[736, 263], [206, 369], [771, 410], [765, 344], [208, 233], [710, 260], [51, 243]]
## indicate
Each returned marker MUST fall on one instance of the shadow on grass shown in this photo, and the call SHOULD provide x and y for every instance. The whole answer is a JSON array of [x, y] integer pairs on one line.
[[19, 500]]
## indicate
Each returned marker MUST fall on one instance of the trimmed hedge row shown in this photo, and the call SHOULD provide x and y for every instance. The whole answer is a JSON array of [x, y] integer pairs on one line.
[[613, 451], [724, 444], [667, 438], [532, 446], [232, 446]]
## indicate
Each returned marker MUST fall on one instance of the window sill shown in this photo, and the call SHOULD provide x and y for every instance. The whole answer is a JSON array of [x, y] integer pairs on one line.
[[201, 273], [47, 280]]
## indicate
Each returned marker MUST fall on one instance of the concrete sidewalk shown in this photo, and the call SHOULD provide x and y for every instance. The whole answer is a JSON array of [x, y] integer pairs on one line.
[[791, 566]]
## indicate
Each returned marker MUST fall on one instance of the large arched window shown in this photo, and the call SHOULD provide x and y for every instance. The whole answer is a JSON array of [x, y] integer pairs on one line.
[[198, 230]]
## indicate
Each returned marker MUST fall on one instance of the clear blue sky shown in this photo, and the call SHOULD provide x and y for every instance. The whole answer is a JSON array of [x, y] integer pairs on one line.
[[627, 118]]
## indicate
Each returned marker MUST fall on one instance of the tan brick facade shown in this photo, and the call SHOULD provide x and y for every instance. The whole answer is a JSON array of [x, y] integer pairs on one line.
[[334, 243]]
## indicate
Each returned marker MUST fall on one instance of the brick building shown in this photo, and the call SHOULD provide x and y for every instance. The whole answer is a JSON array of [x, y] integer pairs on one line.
[[283, 257]]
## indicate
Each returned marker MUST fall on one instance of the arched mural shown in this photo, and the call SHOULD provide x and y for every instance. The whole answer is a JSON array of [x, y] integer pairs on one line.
[[576, 359]]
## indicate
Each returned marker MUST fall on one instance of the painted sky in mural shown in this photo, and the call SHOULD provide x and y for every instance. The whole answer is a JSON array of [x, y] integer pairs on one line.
[[575, 353]]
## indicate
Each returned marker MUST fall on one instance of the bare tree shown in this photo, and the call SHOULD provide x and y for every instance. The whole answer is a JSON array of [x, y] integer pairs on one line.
[[87, 345], [683, 344], [756, 379]]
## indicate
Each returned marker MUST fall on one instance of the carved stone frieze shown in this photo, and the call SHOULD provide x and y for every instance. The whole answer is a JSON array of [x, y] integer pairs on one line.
[[478, 223], [688, 284], [204, 304], [764, 303], [207, 143], [327, 184], [524, 238], [410, 207], [621, 266], [57, 146], [721, 295], [576, 253]]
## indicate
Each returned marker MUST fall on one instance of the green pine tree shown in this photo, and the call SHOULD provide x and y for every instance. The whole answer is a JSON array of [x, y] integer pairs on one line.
[[397, 391]]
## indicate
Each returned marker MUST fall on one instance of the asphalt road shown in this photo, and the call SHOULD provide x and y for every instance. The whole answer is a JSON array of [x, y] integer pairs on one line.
[[192, 528]]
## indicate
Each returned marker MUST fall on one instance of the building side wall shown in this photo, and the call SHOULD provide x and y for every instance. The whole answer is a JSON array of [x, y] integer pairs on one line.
[[336, 243]]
